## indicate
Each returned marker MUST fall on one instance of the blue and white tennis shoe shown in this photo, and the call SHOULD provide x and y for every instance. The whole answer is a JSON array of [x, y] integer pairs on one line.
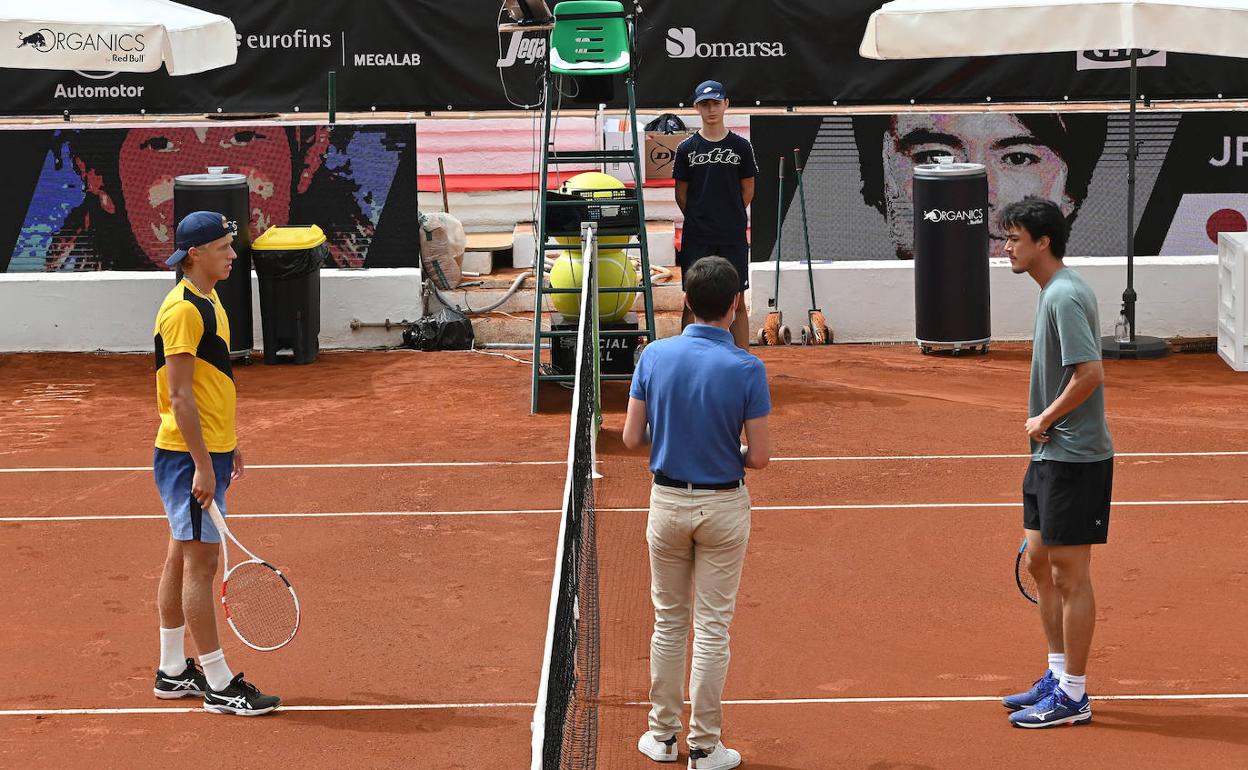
[[1021, 700], [1054, 709]]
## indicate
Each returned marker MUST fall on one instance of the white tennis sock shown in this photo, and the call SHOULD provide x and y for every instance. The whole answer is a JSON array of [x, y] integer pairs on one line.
[[1057, 664], [215, 670], [1074, 686], [173, 650]]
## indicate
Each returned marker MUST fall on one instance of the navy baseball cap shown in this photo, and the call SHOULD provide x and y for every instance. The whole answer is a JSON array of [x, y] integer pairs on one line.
[[196, 229], [709, 89]]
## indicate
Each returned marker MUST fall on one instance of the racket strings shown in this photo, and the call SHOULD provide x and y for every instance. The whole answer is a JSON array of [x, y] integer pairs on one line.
[[1026, 582], [1029, 584], [261, 606]]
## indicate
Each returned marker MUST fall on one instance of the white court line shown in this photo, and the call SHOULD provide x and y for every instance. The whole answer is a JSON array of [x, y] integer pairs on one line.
[[744, 702], [868, 458], [506, 463], [901, 506], [531, 511], [329, 515], [298, 466], [344, 707], [961, 699]]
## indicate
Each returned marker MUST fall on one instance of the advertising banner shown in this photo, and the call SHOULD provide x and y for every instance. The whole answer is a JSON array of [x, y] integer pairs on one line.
[[1191, 181], [418, 55]]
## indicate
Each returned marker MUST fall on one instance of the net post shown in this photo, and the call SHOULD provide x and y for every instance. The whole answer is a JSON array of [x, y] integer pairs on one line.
[[589, 250]]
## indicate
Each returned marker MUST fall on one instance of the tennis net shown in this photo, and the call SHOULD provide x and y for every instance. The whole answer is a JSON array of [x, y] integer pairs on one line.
[[565, 720]]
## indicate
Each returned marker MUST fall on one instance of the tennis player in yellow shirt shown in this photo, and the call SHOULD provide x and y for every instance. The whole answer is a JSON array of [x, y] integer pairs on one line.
[[196, 458]]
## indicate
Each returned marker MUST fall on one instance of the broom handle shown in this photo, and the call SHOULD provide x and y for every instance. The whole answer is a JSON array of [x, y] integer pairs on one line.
[[801, 190], [779, 229]]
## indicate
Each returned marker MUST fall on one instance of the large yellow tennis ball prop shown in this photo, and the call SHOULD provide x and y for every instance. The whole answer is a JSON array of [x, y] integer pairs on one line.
[[615, 270], [592, 180]]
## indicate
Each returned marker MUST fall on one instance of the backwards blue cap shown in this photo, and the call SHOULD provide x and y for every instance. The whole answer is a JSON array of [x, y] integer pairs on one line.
[[196, 229]]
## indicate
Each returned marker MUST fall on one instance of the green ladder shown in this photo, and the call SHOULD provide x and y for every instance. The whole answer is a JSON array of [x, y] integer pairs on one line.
[[589, 38]]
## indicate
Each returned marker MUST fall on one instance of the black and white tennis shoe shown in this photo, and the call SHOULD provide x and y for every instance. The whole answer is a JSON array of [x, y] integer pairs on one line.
[[188, 684], [240, 697]]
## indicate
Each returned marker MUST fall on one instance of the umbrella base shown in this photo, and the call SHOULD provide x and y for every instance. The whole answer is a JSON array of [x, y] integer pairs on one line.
[[1142, 347]]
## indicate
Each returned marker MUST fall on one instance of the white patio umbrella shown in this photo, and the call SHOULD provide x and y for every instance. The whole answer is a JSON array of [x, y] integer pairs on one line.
[[114, 36], [923, 29], [926, 29]]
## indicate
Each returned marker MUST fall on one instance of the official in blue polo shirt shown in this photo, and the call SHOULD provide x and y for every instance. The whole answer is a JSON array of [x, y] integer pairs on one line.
[[691, 397]]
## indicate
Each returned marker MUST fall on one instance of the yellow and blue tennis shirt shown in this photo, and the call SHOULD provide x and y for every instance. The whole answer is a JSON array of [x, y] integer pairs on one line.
[[190, 322]]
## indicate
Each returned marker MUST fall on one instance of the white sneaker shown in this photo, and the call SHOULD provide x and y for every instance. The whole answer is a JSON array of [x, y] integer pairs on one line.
[[659, 750], [722, 758]]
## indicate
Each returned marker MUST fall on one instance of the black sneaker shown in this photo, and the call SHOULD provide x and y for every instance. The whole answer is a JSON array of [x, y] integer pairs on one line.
[[240, 697], [189, 684]]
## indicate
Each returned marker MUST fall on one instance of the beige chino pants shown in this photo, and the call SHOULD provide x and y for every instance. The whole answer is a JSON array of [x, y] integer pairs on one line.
[[697, 542]]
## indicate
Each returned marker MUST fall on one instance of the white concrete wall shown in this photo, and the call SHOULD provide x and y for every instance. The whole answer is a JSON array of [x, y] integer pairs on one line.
[[115, 311], [874, 301], [863, 302]]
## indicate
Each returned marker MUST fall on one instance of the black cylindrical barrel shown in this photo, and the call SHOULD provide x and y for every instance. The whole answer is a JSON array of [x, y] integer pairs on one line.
[[951, 297], [226, 194]]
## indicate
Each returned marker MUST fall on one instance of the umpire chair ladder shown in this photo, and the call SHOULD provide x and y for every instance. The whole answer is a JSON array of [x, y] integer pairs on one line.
[[590, 38]]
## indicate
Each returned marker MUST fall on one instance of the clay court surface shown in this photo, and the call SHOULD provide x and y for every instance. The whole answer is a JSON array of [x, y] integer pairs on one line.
[[414, 502]]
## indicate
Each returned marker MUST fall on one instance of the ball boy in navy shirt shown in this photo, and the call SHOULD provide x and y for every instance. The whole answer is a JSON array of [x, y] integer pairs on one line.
[[714, 172]]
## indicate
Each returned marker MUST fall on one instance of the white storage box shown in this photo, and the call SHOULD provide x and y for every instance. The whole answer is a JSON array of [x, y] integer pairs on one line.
[[1232, 295]]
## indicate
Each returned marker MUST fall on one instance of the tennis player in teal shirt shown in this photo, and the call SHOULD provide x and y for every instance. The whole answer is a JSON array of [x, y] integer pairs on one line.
[[1069, 482]]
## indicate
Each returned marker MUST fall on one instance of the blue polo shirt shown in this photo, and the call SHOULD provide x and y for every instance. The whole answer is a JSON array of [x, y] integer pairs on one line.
[[699, 390]]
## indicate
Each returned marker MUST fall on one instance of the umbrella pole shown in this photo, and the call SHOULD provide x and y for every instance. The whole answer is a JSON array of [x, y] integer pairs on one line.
[[1138, 346], [1129, 296]]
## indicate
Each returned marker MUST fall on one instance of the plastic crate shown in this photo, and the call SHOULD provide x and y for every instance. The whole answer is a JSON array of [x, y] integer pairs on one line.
[[567, 220]]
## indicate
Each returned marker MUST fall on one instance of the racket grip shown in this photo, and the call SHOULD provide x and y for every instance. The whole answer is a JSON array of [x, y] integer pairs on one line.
[[217, 518]]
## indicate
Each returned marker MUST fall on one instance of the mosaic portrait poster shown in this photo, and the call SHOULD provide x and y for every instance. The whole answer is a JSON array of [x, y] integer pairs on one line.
[[1191, 180], [86, 199]]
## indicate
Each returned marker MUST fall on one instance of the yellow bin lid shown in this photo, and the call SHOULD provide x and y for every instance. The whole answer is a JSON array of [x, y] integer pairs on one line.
[[289, 238]]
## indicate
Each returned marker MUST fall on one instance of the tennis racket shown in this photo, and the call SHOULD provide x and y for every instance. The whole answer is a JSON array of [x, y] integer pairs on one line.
[[1022, 577], [260, 604]]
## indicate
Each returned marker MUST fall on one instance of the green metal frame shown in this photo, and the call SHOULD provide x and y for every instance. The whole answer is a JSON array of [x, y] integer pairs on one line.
[[590, 37], [550, 156]]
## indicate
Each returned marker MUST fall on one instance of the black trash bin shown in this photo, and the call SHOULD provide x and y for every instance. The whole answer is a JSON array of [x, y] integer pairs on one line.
[[228, 195], [952, 307], [288, 263]]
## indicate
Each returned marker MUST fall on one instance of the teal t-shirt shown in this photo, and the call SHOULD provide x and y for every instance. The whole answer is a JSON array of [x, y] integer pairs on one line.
[[1068, 333]]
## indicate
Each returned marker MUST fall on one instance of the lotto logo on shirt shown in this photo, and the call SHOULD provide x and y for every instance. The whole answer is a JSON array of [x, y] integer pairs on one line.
[[718, 155]]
